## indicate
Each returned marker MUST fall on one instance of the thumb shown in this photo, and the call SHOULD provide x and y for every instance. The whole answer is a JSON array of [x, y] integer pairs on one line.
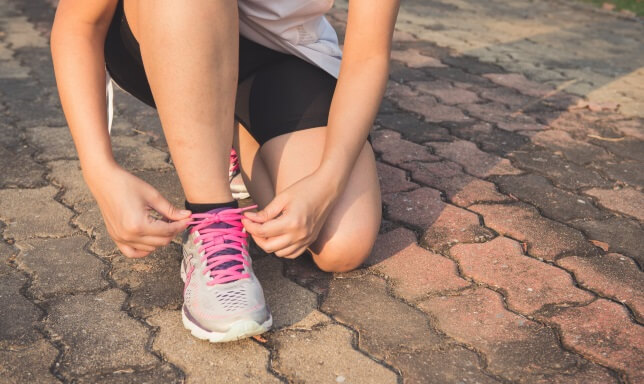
[[169, 211], [271, 211]]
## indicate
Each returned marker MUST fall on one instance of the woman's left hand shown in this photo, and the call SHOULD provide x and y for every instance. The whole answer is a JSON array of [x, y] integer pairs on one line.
[[293, 219]]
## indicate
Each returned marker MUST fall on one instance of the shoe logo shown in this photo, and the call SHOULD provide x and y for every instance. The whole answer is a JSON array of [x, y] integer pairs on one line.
[[188, 276]]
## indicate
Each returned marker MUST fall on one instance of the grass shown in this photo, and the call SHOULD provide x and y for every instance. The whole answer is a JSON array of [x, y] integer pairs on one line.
[[636, 6]]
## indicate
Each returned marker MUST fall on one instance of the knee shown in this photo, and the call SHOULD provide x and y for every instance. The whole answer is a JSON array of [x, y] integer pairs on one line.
[[342, 256]]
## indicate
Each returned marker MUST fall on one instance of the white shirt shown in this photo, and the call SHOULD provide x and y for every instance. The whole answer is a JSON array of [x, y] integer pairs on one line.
[[297, 27]]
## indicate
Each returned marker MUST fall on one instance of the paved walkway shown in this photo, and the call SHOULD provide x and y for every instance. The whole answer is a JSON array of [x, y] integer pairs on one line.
[[510, 250]]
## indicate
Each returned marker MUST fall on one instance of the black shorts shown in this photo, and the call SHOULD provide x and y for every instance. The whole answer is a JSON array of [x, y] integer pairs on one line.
[[277, 93]]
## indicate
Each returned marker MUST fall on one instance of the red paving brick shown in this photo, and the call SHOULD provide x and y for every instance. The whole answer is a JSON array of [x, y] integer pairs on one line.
[[515, 347], [420, 207], [454, 225], [414, 59], [574, 150], [475, 161], [445, 224], [482, 311], [424, 105], [506, 118], [421, 354], [448, 95], [395, 150], [604, 332], [460, 188], [393, 179], [612, 275], [390, 244], [528, 283], [412, 270], [477, 191], [625, 200], [546, 239], [520, 83]]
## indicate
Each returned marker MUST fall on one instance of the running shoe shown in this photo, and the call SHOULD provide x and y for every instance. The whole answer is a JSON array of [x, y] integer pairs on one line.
[[223, 300], [237, 186]]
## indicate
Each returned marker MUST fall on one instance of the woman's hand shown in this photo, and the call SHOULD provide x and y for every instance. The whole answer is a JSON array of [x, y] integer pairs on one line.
[[294, 218], [126, 203]]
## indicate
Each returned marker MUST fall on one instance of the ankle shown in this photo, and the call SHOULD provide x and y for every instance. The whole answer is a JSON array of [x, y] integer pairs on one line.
[[205, 207]]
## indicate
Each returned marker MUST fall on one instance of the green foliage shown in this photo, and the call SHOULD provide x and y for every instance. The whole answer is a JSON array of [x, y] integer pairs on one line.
[[636, 6]]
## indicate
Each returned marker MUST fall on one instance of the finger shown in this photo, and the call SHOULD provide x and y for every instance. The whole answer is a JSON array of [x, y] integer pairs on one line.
[[156, 241], [164, 207], [296, 253], [140, 246], [284, 252], [160, 228], [277, 227], [272, 210], [130, 252], [274, 244]]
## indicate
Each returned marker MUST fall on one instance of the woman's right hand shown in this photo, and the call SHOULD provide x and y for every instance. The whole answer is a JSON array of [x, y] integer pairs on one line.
[[126, 203]]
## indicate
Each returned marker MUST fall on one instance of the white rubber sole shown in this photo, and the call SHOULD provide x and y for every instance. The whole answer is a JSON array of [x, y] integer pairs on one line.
[[238, 330], [240, 195]]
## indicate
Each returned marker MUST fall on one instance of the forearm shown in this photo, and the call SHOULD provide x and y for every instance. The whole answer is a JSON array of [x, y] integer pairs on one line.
[[363, 77], [79, 67], [356, 100]]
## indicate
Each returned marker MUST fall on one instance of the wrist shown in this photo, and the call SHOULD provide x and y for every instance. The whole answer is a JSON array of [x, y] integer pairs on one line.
[[96, 171], [332, 176]]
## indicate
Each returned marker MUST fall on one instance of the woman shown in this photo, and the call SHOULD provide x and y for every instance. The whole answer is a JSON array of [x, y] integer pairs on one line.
[[259, 75]]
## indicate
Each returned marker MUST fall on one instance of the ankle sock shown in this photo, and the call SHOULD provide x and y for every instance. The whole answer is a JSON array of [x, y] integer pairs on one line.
[[205, 207]]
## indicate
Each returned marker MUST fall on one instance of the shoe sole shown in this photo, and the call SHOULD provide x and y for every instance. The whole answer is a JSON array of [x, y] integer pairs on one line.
[[238, 330], [241, 195]]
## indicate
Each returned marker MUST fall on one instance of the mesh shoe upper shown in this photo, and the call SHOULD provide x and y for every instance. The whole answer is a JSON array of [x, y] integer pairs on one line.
[[221, 287]]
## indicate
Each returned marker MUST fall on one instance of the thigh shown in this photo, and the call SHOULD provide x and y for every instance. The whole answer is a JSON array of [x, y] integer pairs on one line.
[[354, 220], [125, 64], [253, 170]]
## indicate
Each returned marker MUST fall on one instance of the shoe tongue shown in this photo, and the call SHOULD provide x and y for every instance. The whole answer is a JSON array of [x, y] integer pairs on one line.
[[220, 240]]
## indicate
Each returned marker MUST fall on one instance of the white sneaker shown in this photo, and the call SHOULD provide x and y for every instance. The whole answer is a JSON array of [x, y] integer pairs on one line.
[[237, 186], [223, 300]]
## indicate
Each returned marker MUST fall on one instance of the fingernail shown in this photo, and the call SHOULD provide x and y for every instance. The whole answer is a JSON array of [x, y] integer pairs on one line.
[[184, 212]]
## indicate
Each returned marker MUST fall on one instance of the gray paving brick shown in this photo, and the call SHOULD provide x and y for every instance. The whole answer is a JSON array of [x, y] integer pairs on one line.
[[153, 281], [33, 212], [53, 142], [67, 174], [18, 316], [100, 336], [18, 168], [561, 172], [237, 362], [30, 364], [91, 222], [157, 374], [60, 266], [287, 309], [325, 354], [621, 234], [553, 202]]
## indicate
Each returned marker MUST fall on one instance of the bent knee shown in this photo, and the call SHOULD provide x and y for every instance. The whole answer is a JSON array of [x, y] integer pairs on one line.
[[341, 257]]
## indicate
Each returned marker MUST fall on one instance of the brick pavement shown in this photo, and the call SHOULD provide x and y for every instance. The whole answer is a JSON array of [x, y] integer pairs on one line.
[[510, 249]]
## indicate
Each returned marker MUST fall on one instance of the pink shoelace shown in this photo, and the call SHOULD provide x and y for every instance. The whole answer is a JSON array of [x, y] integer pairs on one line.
[[223, 245], [234, 162]]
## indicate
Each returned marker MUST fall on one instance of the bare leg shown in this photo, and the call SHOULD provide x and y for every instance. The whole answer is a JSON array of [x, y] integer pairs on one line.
[[352, 226], [190, 55]]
